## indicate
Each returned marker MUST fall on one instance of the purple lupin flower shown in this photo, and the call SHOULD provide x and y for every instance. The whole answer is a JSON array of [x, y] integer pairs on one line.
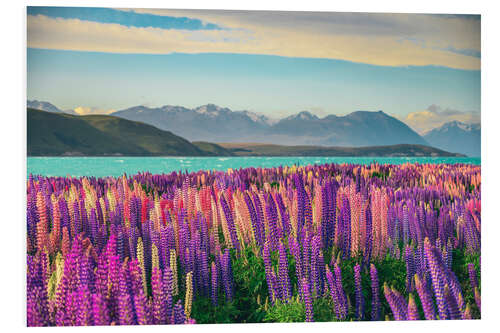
[[204, 273], [272, 219], [412, 308], [340, 290], [266, 256], [332, 286], [375, 293], [230, 222], [410, 267], [369, 235], [477, 298], [396, 302], [283, 273], [452, 306], [227, 275], [285, 219], [260, 218], [179, 316], [314, 264], [359, 294], [306, 298], [436, 278], [295, 251], [346, 228], [256, 226], [215, 284], [425, 298], [472, 275]]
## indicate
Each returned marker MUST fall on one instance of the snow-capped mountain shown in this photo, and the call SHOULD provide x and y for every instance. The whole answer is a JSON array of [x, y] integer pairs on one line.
[[457, 137], [217, 124], [44, 106]]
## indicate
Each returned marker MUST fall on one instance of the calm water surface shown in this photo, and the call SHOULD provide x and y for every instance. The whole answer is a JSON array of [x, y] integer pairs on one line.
[[116, 166]]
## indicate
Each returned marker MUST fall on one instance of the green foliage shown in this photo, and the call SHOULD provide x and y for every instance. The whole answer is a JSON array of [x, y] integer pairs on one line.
[[205, 313], [459, 266], [251, 300], [250, 286], [294, 311], [280, 312]]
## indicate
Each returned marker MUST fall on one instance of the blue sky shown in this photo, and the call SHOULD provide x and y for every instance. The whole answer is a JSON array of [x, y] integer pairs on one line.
[[424, 69]]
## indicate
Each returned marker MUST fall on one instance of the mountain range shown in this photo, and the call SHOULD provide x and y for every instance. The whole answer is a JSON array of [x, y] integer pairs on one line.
[[212, 123], [457, 136], [216, 124], [62, 134]]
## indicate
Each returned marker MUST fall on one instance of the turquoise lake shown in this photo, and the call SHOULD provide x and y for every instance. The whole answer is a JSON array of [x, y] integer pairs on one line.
[[116, 166]]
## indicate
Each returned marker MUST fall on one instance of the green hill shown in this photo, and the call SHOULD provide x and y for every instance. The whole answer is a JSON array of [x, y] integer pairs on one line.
[[56, 134], [212, 148], [402, 150]]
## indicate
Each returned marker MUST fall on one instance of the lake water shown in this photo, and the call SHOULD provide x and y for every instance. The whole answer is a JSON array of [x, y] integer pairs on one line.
[[116, 166]]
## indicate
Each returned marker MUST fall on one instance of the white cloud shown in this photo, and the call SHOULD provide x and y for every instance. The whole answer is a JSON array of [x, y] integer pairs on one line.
[[85, 110], [380, 39], [434, 116]]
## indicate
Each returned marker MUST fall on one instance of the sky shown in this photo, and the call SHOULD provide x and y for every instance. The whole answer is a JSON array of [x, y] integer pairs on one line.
[[423, 69]]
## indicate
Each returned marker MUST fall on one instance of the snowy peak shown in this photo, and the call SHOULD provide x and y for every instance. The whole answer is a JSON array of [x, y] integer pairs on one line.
[[457, 137], [303, 115], [259, 118], [44, 106], [211, 109], [459, 125]]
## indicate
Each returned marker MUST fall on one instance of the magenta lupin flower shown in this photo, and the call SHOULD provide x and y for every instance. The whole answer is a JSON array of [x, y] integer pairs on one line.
[[100, 315], [159, 309], [140, 308], [125, 315]]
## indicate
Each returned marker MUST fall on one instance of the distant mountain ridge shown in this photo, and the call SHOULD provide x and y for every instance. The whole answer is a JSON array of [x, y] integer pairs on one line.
[[456, 136], [216, 124]]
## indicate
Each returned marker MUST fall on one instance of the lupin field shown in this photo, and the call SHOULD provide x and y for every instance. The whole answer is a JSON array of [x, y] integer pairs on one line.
[[331, 242]]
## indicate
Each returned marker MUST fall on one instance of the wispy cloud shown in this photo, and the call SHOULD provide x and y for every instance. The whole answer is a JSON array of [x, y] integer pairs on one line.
[[467, 52], [126, 18], [434, 116], [379, 39]]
